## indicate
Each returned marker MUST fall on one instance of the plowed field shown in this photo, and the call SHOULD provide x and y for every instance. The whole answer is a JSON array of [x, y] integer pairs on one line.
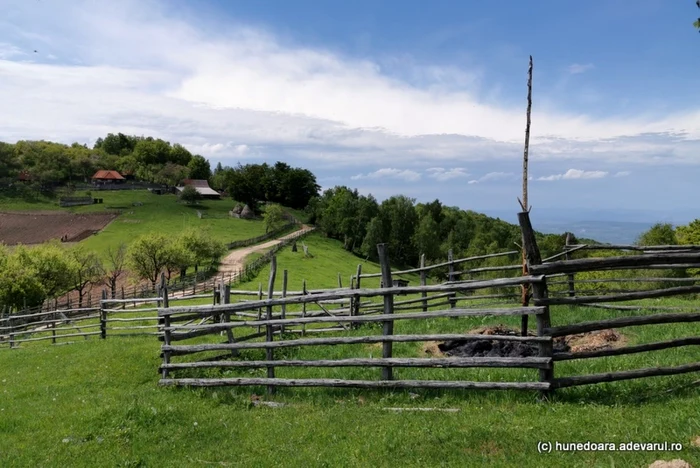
[[40, 226]]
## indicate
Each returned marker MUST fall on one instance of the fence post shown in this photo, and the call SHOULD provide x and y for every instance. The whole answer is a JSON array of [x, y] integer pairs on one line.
[[123, 303], [226, 299], [103, 316], [539, 291], [259, 308], [284, 294], [388, 326], [451, 277], [340, 281], [165, 322], [423, 282], [269, 332], [12, 332], [303, 308], [356, 299], [53, 328], [570, 276]]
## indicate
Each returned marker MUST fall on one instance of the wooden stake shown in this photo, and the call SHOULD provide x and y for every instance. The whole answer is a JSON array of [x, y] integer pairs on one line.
[[269, 336], [388, 327]]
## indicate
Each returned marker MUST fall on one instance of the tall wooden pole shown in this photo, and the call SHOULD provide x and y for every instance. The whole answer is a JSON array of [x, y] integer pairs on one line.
[[524, 202]]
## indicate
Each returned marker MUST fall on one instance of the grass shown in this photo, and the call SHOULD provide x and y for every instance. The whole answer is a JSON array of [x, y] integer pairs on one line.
[[160, 213], [97, 403]]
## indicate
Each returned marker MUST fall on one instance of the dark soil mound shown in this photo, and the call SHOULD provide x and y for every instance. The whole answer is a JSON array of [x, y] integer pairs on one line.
[[494, 348]]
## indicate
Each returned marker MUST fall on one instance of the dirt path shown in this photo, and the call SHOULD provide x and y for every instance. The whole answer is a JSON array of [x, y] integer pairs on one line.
[[235, 260]]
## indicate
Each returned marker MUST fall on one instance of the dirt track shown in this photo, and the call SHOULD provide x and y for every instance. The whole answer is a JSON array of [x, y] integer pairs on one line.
[[39, 226], [235, 260]]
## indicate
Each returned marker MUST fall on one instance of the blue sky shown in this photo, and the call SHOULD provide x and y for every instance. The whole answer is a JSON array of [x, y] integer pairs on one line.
[[420, 98]]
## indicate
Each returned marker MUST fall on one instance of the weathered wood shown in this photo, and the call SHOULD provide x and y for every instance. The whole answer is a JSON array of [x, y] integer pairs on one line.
[[51, 337], [357, 300], [636, 247], [620, 322], [260, 296], [449, 362], [652, 293], [631, 280], [227, 317], [196, 348], [423, 282], [625, 375], [565, 253], [440, 265], [524, 203], [635, 261], [103, 317], [135, 319], [303, 307], [42, 314], [628, 349], [485, 269], [462, 286], [570, 277], [327, 311], [356, 383], [539, 292], [269, 332], [215, 327], [387, 326], [284, 294]]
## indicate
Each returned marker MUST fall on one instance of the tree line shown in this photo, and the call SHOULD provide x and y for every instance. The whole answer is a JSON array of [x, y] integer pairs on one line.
[[29, 276], [412, 229], [49, 164]]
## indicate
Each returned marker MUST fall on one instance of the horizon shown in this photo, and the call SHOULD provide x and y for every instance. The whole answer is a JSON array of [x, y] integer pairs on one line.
[[388, 98]]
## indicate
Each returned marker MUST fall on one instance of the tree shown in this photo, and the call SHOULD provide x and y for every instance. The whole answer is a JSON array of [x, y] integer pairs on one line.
[[178, 258], [273, 217], [690, 234], [203, 247], [199, 168], [697, 22], [87, 270], [658, 234], [180, 155], [171, 174], [151, 151], [116, 263], [148, 255], [427, 239], [53, 266], [19, 283], [189, 195], [8, 160]]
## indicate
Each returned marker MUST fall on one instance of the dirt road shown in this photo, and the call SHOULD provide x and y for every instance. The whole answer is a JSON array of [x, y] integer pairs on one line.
[[235, 260]]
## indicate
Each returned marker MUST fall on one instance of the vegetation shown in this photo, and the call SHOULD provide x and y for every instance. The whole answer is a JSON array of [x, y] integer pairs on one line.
[[254, 183], [189, 195], [87, 412], [273, 217]]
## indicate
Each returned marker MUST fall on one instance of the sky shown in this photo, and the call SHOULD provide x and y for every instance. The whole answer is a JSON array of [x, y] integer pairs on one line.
[[420, 98]]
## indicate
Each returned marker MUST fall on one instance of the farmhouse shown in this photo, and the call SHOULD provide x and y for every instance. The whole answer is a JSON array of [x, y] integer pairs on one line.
[[107, 177], [202, 187]]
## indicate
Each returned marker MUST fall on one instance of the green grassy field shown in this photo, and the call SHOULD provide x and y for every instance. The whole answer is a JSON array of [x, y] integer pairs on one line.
[[156, 213], [97, 403]]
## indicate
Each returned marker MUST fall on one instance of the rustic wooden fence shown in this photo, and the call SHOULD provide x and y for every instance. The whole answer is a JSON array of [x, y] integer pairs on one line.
[[273, 322]]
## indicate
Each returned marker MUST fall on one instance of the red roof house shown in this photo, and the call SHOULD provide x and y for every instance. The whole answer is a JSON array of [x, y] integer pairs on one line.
[[111, 177]]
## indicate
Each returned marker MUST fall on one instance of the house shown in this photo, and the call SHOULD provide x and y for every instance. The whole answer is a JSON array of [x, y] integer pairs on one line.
[[201, 186], [107, 177]]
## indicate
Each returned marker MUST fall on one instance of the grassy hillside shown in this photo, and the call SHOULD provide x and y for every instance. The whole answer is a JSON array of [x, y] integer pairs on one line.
[[97, 403], [151, 213]]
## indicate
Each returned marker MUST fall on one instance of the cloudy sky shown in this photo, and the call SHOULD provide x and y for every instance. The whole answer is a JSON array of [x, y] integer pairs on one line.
[[414, 97]]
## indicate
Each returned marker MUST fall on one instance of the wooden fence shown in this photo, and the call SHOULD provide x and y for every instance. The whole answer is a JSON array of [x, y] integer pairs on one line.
[[272, 322]]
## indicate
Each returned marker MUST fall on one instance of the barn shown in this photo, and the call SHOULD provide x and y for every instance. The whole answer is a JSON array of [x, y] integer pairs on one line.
[[201, 186]]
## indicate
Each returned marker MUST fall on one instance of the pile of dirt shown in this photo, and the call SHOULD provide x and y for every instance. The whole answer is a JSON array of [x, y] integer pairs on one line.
[[603, 339]]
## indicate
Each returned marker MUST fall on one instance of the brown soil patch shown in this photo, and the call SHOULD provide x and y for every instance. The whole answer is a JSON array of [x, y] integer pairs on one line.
[[41, 226], [677, 463], [695, 442]]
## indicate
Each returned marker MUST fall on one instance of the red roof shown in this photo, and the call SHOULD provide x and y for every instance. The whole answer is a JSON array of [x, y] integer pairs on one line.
[[107, 175], [196, 183]]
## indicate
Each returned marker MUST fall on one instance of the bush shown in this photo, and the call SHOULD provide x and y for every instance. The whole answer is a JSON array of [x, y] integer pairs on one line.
[[189, 195]]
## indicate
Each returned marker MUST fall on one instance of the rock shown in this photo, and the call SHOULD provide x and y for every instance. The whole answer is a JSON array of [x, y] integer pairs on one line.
[[676, 463]]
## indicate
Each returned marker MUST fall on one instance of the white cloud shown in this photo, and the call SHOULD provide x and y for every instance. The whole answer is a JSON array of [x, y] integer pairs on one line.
[[390, 173], [622, 174], [491, 176], [243, 93], [575, 174], [441, 174], [577, 68]]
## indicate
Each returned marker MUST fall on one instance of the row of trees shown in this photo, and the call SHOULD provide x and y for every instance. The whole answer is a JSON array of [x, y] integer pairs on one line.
[[292, 187], [29, 276], [153, 160], [411, 229]]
